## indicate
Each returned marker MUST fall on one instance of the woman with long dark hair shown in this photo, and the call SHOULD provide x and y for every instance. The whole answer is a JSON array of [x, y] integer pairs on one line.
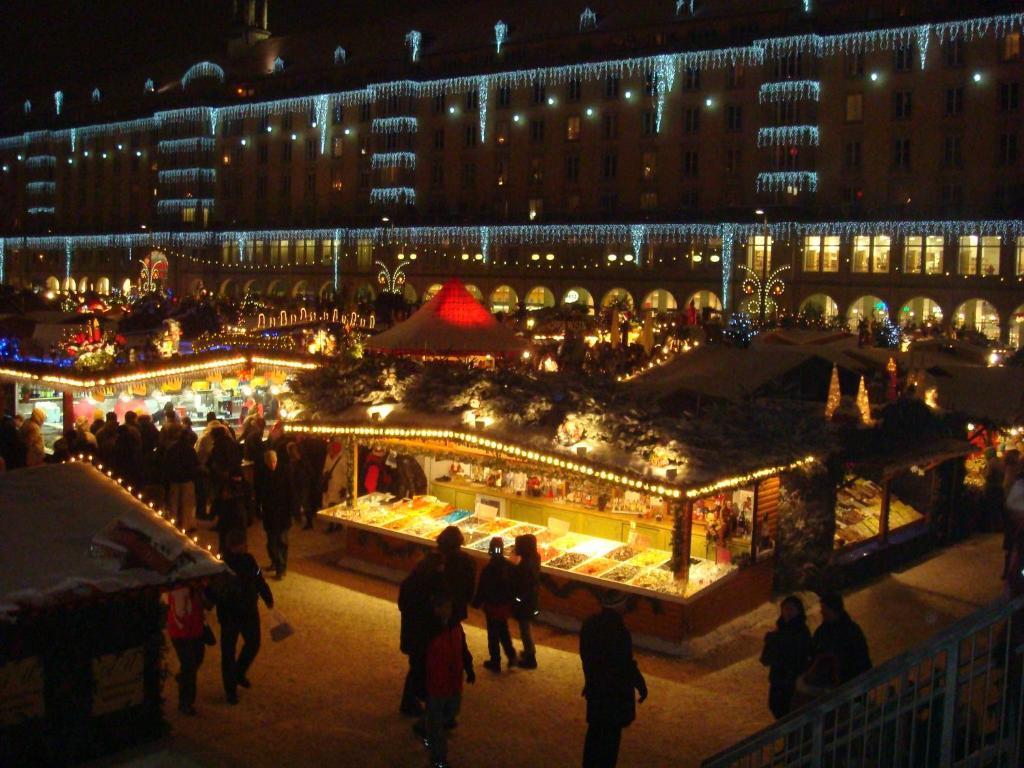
[[787, 654]]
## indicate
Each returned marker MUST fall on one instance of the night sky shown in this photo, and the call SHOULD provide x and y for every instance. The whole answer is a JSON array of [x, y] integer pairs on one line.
[[48, 44]]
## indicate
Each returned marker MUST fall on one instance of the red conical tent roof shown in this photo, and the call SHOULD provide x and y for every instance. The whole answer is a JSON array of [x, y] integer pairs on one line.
[[451, 323]]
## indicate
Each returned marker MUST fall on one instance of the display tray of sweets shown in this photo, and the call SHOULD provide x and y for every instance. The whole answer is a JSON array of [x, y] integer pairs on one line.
[[658, 580], [401, 523], [622, 574], [901, 514], [594, 547], [522, 529], [482, 542], [622, 554], [427, 527], [547, 552], [452, 518], [568, 541], [567, 561], [497, 525], [650, 557], [595, 566]]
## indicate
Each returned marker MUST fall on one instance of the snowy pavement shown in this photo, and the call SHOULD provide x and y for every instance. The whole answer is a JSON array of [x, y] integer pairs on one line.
[[329, 695]]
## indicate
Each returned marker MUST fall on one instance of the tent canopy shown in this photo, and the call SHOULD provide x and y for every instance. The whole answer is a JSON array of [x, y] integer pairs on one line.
[[452, 323]]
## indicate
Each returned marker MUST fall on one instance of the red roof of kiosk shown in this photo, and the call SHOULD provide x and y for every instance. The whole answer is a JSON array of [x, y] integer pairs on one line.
[[451, 323]]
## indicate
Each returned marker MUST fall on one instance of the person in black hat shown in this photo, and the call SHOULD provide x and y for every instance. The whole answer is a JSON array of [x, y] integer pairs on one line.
[[611, 676], [494, 595], [838, 644]]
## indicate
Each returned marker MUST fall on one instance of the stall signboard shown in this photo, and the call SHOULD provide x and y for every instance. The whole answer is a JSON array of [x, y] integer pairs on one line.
[[21, 691], [119, 681]]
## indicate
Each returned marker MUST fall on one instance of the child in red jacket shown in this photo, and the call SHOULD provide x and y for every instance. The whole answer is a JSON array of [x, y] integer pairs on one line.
[[448, 657]]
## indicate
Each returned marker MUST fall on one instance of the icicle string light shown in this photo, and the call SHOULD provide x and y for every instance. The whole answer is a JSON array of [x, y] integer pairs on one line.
[[532, 234], [790, 90], [728, 235], [413, 40], [637, 238], [41, 210], [41, 161], [321, 109], [148, 87], [781, 181], [96, 95], [180, 204], [204, 69], [394, 125], [482, 96], [588, 19], [393, 160], [175, 175], [336, 252], [58, 101], [485, 243], [3, 264], [788, 135], [500, 35], [340, 55], [198, 144], [405, 195], [665, 76], [69, 254], [37, 187]]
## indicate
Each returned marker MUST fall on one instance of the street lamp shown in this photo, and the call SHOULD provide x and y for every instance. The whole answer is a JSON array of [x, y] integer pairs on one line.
[[764, 264]]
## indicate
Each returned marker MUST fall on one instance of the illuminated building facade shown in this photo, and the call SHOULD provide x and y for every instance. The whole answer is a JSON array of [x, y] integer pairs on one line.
[[616, 152]]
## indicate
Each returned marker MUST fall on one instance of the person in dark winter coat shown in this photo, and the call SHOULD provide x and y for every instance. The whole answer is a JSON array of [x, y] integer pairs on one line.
[[526, 593], [611, 676], [838, 643], [447, 659], [238, 613], [12, 449], [494, 595], [180, 467], [276, 499], [298, 481], [224, 464], [185, 627], [414, 606], [787, 654], [410, 480], [458, 570], [127, 455]]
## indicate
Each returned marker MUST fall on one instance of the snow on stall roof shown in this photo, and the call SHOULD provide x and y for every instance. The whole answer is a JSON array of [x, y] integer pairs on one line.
[[50, 519], [991, 395]]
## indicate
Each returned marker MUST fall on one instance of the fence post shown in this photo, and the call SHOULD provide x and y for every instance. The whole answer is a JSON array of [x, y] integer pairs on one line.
[[950, 694]]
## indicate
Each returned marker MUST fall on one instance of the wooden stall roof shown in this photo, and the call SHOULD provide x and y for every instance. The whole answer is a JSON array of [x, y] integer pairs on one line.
[[890, 460]]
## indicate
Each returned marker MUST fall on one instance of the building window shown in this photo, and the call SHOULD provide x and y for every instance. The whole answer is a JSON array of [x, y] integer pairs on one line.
[[1009, 97], [1008, 149], [437, 175], [954, 52], [337, 183], [648, 201], [261, 187], [649, 166], [691, 79], [501, 132], [691, 120], [978, 255], [504, 96], [536, 209], [1020, 255], [538, 92], [337, 146], [901, 105], [648, 127], [610, 166], [472, 100], [611, 87], [310, 150], [310, 183], [759, 258], [1009, 46], [787, 67], [439, 138], [954, 101], [286, 185], [821, 254], [610, 126], [536, 170], [364, 112], [951, 157], [934, 246], [572, 89], [862, 253], [852, 155], [881, 247], [734, 117], [735, 76], [690, 167], [572, 128], [470, 135], [537, 131], [572, 168], [854, 107], [903, 60], [853, 65], [469, 175], [952, 195], [901, 154], [732, 160]]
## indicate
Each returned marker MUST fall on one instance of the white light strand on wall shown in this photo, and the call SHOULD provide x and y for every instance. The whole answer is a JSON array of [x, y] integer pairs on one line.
[[37, 187], [204, 69], [69, 253], [322, 108], [485, 243], [58, 101], [197, 144], [482, 95], [728, 235], [665, 76], [340, 56], [788, 135], [336, 252], [278, 65], [394, 125], [923, 34], [688, 4], [500, 35], [174, 175], [41, 161], [413, 39], [149, 87], [789, 90], [637, 237], [405, 195], [27, 107], [41, 210], [791, 181], [588, 19], [180, 204], [393, 160], [3, 264]]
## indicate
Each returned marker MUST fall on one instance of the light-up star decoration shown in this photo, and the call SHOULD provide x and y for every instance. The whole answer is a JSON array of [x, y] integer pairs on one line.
[[391, 282], [763, 294]]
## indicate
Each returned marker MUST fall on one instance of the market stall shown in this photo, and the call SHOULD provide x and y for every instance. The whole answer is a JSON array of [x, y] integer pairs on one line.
[[81, 642]]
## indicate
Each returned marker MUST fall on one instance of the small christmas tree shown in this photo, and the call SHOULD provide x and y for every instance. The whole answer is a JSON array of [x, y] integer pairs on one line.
[[863, 404], [834, 394]]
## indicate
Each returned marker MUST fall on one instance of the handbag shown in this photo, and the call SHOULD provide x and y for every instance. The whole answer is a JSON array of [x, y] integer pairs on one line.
[[281, 630]]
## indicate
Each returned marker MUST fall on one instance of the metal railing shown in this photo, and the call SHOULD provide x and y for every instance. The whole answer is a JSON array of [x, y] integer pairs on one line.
[[955, 702]]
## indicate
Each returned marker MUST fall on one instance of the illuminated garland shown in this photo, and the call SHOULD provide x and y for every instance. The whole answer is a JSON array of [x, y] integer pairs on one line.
[[393, 195], [186, 174], [69, 254], [27, 107], [781, 181], [728, 238], [393, 160], [394, 125], [413, 39], [322, 105], [167, 146], [3, 262], [735, 482], [39, 210], [789, 90], [58, 101], [482, 97], [96, 96], [588, 19], [41, 161], [203, 69], [180, 204], [788, 135], [500, 35], [340, 55], [37, 187]]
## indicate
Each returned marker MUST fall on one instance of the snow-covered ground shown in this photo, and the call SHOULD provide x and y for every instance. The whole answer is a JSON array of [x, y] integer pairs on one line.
[[328, 696]]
